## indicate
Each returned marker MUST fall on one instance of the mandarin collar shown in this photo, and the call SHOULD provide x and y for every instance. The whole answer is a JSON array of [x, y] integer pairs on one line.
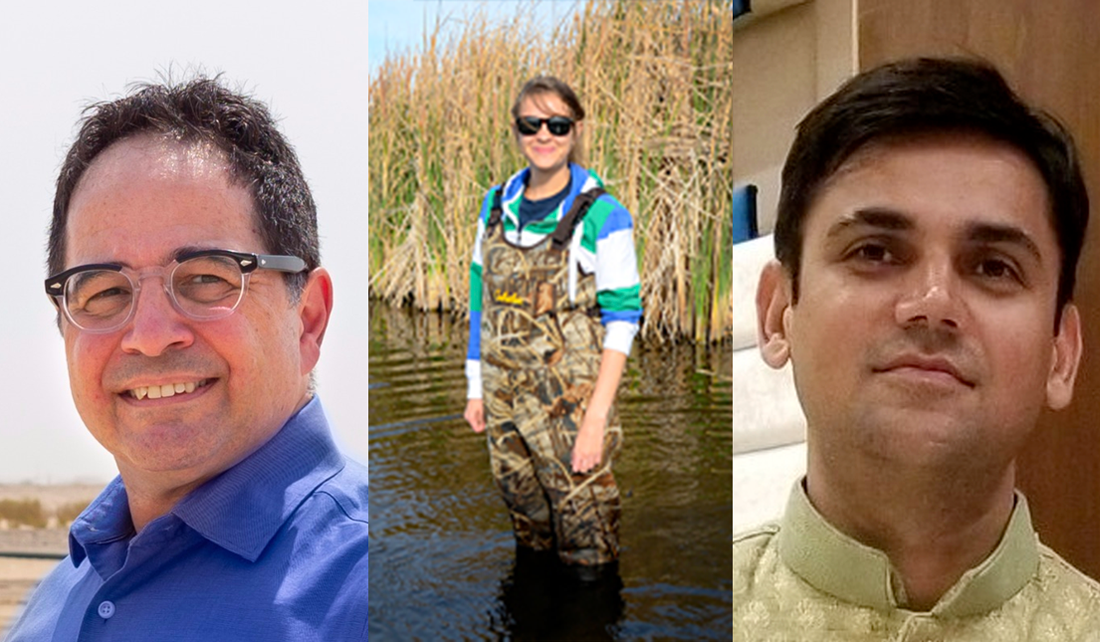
[[836, 564]]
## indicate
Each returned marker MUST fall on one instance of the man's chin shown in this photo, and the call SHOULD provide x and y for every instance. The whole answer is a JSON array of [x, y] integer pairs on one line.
[[164, 445], [916, 440]]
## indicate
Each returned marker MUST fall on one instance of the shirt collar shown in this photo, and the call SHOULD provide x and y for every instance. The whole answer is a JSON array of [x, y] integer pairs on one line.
[[241, 509], [105, 520], [839, 565], [581, 180]]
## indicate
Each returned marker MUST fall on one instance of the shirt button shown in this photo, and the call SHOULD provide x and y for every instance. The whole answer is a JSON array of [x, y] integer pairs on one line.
[[106, 609]]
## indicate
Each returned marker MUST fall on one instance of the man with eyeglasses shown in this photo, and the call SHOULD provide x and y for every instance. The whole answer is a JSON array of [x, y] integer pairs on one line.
[[185, 269]]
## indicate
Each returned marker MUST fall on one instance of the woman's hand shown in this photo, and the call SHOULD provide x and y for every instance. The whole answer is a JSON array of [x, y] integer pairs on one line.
[[588, 448], [475, 414]]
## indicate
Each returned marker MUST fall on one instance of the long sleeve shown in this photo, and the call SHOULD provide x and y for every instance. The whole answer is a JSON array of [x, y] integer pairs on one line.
[[607, 248], [473, 341]]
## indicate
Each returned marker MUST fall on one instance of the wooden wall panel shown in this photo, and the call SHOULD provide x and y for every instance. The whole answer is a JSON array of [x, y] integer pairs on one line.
[[1049, 52]]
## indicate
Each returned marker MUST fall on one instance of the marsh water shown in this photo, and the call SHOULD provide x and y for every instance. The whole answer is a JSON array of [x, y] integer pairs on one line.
[[443, 564]]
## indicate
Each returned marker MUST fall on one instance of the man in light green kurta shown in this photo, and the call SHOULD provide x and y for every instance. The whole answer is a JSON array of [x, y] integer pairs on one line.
[[803, 580], [927, 239]]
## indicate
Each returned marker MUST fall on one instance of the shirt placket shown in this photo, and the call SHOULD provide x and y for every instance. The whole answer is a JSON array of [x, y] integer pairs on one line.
[[920, 627], [112, 614]]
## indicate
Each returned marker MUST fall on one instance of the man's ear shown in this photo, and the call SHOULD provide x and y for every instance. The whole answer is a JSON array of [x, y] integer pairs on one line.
[[314, 310], [1065, 358], [773, 300]]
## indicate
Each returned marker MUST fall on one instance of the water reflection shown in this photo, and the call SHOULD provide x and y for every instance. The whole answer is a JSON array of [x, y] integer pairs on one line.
[[443, 562], [542, 599]]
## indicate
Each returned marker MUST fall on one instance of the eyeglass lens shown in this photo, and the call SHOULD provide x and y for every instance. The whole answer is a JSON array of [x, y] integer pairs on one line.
[[556, 125], [204, 287]]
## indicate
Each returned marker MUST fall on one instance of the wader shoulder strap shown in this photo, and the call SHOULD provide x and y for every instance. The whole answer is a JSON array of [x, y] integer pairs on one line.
[[569, 222], [495, 211]]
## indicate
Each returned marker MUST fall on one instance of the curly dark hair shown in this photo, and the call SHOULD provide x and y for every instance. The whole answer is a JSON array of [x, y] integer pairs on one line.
[[202, 111]]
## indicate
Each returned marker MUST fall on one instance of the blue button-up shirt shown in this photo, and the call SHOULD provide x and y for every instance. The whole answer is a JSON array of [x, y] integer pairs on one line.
[[273, 549]]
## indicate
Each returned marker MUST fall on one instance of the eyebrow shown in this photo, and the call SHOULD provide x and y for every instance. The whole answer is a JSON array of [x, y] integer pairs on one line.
[[1010, 234], [975, 232], [188, 249], [174, 256], [880, 217]]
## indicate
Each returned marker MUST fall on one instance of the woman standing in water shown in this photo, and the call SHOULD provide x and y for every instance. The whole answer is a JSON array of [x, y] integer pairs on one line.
[[554, 307]]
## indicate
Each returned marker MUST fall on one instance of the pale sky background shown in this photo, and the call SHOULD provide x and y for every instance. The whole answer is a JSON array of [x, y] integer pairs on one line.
[[399, 25], [309, 64]]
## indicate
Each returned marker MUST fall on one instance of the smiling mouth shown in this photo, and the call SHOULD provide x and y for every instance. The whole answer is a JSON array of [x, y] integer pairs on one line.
[[166, 390]]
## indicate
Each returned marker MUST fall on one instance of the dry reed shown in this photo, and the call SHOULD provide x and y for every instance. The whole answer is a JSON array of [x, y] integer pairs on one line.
[[68, 512], [23, 512], [656, 81]]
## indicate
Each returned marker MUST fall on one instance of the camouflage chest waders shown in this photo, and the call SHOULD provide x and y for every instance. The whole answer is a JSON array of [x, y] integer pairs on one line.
[[540, 355]]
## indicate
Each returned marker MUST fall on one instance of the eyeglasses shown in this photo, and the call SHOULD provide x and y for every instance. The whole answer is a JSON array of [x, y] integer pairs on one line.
[[202, 285], [556, 125]]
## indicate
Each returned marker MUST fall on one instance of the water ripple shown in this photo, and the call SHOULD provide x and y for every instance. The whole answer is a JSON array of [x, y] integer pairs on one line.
[[443, 562]]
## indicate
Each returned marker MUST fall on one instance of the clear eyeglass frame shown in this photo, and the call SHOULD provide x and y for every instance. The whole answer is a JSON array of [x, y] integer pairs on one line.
[[57, 286]]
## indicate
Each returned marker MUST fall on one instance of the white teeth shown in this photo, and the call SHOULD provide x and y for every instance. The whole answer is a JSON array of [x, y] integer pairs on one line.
[[166, 390]]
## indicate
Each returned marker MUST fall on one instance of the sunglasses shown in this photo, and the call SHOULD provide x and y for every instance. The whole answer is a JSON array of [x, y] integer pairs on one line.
[[556, 125]]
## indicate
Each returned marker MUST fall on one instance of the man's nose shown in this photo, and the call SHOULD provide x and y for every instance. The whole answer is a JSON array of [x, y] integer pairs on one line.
[[156, 325], [932, 296]]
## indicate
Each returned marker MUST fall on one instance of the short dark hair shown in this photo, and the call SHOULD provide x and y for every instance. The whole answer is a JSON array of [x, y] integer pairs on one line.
[[540, 85], [923, 95], [202, 111]]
